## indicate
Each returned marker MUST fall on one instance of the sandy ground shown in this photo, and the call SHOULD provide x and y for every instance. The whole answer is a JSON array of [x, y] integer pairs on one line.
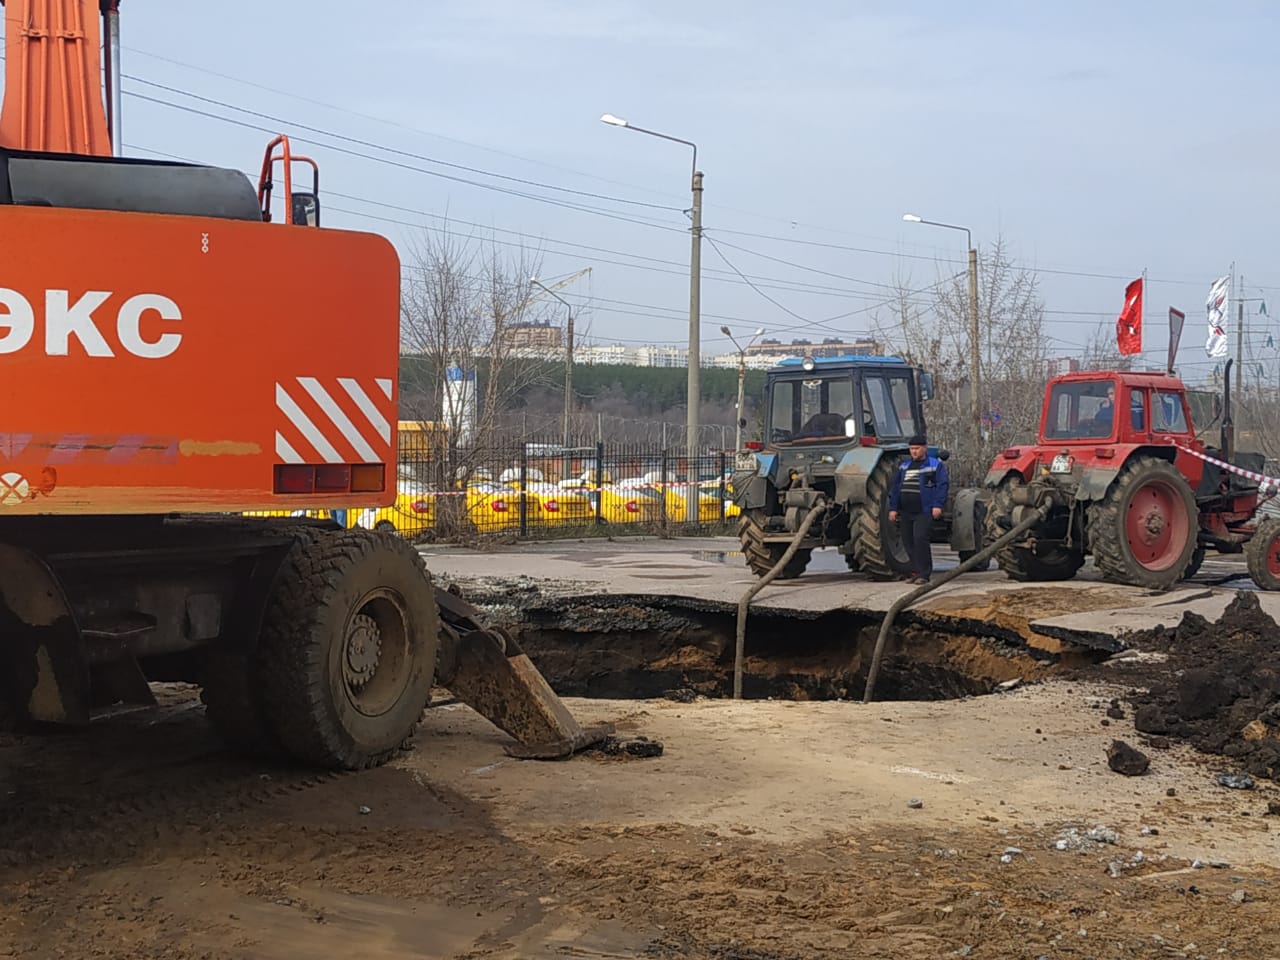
[[767, 830]]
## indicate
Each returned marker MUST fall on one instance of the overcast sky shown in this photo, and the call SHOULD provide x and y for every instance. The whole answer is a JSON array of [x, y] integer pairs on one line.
[[1099, 139]]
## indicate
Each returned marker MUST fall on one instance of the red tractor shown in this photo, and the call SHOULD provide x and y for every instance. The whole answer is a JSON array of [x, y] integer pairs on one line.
[[1120, 462]]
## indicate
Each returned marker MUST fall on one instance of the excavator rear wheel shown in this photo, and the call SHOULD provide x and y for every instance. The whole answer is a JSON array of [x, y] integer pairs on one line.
[[1022, 563], [1143, 532], [878, 548], [1262, 553], [760, 556], [348, 647]]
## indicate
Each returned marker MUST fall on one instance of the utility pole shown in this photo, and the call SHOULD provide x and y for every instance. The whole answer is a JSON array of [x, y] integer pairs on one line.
[[742, 376], [568, 384], [695, 284], [1240, 339], [737, 417], [695, 321], [975, 339], [975, 334]]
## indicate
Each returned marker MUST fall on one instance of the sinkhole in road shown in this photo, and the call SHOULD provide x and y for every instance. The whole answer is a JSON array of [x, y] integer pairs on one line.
[[650, 647]]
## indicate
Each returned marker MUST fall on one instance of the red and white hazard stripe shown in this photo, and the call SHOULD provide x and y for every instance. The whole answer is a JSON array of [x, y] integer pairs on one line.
[[341, 421], [1266, 485]]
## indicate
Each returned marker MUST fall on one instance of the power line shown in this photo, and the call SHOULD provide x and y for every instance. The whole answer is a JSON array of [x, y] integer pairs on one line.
[[787, 310], [212, 101], [612, 215], [677, 268], [590, 194], [391, 123]]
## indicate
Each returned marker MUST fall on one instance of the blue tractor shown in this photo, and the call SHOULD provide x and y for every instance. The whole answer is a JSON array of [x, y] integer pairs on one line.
[[835, 428]]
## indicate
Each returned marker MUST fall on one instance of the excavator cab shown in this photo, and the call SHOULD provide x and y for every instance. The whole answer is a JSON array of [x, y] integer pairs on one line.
[[301, 207]]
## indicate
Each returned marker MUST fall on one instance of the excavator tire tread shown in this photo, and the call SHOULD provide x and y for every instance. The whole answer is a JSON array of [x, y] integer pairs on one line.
[[319, 583]]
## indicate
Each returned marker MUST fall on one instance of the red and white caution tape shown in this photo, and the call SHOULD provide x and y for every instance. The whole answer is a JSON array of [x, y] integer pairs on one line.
[[1266, 485]]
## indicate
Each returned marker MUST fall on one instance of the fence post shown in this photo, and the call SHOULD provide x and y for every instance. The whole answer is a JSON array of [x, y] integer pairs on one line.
[[599, 482], [722, 490], [662, 490], [524, 486]]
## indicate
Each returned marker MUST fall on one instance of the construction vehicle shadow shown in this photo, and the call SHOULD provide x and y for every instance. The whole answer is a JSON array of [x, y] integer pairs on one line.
[[157, 781]]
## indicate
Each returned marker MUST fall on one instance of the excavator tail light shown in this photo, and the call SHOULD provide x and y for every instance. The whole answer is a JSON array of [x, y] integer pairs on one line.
[[295, 478], [368, 478], [330, 478], [333, 478]]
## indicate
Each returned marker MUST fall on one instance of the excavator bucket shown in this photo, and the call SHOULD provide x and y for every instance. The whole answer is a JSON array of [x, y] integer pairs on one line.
[[486, 669]]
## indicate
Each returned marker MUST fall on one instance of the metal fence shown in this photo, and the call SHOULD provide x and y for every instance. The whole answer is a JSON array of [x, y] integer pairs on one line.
[[540, 489]]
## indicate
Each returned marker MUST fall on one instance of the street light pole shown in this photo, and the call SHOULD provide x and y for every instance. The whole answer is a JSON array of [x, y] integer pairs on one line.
[[975, 336], [568, 374], [694, 396], [742, 377]]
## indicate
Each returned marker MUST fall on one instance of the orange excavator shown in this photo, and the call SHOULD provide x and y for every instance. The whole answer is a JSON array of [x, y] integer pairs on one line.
[[166, 365]]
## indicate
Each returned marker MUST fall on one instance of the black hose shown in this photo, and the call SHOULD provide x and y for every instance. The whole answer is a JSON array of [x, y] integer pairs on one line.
[[739, 651], [981, 557]]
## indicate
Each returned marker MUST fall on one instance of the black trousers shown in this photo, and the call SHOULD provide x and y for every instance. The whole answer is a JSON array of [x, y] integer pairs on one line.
[[915, 537]]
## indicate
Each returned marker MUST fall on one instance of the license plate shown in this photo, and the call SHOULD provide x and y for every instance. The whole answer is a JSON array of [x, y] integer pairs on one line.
[[1061, 464], [745, 461]]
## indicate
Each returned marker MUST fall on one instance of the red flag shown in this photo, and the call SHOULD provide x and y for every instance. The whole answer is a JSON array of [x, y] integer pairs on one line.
[[1129, 323]]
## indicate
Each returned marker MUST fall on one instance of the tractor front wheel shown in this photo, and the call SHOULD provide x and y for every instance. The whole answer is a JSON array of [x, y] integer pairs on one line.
[[761, 557]]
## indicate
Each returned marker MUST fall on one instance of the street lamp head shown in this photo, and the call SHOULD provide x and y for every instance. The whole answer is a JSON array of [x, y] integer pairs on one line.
[[726, 331], [758, 332], [910, 218], [613, 121]]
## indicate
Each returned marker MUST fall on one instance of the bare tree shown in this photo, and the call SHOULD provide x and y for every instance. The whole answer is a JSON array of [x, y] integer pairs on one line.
[[1102, 350], [459, 300], [1012, 350]]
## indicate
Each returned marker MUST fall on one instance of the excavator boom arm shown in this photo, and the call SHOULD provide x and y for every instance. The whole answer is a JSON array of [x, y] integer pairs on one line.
[[53, 77]]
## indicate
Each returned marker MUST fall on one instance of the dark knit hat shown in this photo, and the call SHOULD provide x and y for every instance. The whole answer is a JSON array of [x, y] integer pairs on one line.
[[918, 440]]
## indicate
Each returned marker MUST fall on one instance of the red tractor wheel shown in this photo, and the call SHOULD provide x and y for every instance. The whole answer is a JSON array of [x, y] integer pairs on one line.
[[1143, 532], [1262, 553]]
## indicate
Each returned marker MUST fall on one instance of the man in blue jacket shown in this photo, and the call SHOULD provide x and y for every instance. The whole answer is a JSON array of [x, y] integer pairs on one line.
[[916, 499]]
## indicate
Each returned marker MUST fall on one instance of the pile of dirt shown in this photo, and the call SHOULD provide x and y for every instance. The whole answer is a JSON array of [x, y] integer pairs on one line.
[[1221, 690]]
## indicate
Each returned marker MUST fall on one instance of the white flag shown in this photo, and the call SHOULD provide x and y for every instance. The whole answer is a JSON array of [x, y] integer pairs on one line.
[[1216, 305]]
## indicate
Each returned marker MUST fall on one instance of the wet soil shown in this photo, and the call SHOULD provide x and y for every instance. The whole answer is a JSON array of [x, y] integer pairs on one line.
[[158, 846], [1218, 690], [622, 647]]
